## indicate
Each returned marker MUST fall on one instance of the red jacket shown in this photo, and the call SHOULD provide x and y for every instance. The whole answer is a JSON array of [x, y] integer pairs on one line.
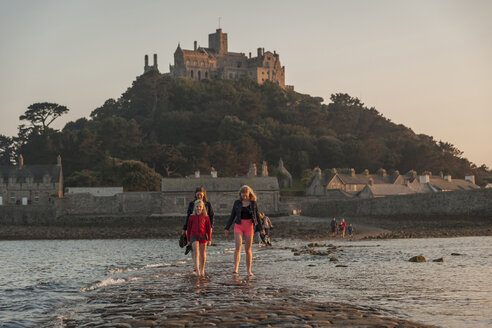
[[199, 226]]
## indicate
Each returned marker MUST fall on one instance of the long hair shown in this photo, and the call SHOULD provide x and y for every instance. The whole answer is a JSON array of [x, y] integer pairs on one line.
[[249, 191], [204, 211], [201, 189]]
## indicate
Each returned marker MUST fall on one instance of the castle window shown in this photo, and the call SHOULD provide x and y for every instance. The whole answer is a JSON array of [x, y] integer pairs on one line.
[[191, 73], [206, 75], [199, 75]]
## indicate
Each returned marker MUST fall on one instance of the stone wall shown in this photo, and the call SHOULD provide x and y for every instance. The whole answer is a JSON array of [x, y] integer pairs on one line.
[[467, 203]]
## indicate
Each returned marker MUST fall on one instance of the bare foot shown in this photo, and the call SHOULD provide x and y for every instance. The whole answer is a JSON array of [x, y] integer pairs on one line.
[[234, 272], [251, 274]]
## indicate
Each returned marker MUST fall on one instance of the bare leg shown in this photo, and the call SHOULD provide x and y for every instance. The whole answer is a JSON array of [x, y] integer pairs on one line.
[[195, 257], [203, 257], [238, 238], [248, 241]]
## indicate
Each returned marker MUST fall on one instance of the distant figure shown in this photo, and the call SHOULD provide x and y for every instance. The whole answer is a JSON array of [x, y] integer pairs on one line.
[[350, 231], [343, 225], [246, 218], [333, 227], [199, 232], [259, 236], [267, 224]]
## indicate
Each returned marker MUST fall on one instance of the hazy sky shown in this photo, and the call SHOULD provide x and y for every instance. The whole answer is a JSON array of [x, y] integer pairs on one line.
[[424, 64]]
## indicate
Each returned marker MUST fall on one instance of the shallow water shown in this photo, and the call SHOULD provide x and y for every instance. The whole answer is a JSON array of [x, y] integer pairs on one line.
[[41, 280]]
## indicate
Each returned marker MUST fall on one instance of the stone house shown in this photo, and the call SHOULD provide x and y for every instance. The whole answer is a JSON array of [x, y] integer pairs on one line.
[[30, 184], [350, 182], [221, 192], [447, 182]]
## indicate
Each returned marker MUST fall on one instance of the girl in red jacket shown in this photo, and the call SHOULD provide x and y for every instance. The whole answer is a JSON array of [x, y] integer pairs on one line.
[[199, 232]]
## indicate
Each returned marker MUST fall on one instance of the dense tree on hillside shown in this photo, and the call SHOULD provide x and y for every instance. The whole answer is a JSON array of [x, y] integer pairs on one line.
[[175, 126], [43, 114]]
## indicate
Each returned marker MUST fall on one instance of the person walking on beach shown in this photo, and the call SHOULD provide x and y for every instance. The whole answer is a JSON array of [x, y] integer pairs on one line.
[[343, 226], [333, 227], [246, 220], [267, 225], [350, 231], [199, 232], [200, 194]]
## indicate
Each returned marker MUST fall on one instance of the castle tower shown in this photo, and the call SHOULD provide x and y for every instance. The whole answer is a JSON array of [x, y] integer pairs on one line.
[[150, 68], [218, 41]]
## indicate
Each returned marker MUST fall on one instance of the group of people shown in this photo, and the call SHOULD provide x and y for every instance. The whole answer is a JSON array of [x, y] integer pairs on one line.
[[247, 220], [341, 228]]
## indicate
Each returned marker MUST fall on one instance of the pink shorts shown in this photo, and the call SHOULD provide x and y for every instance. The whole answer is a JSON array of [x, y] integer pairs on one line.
[[246, 227]]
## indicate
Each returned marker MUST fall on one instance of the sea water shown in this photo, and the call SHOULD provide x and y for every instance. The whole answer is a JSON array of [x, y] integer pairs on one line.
[[42, 281]]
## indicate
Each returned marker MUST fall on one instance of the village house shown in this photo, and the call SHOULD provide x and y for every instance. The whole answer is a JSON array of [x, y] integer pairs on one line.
[[349, 183], [381, 184], [30, 184], [221, 191]]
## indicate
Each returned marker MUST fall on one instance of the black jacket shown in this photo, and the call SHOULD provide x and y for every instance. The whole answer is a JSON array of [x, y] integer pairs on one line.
[[210, 212], [236, 215]]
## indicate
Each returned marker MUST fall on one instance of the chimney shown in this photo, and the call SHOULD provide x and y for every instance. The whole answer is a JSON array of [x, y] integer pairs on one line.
[[264, 169], [259, 52], [334, 171], [146, 61], [252, 170], [213, 172], [317, 172], [371, 181], [58, 160], [424, 178], [352, 172], [155, 61], [262, 51], [448, 178], [250, 55], [366, 172], [197, 173], [21, 161], [382, 172], [470, 178], [194, 45]]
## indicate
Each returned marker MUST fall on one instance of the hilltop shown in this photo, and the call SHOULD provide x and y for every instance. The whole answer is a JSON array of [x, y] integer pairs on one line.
[[176, 126]]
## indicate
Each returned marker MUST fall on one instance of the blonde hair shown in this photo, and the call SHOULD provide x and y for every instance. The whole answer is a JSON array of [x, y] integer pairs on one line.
[[249, 191], [198, 201]]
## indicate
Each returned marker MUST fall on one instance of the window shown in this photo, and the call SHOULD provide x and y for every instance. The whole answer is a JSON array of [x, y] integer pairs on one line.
[[187, 63], [191, 73], [206, 75], [199, 75], [195, 63], [202, 64], [180, 201]]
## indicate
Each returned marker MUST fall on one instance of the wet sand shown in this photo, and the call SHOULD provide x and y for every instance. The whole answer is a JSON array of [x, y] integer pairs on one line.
[[294, 227], [169, 297]]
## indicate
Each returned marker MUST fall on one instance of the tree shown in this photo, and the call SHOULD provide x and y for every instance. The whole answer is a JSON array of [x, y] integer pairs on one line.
[[7, 155], [43, 114], [136, 176]]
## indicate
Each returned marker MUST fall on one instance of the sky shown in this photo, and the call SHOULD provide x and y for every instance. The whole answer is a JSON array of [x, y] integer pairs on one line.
[[426, 64]]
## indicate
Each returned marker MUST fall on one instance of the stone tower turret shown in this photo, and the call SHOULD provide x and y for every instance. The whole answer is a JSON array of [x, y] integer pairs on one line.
[[218, 41]]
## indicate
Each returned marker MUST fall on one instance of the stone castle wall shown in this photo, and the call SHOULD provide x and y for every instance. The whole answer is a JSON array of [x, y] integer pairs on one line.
[[453, 203]]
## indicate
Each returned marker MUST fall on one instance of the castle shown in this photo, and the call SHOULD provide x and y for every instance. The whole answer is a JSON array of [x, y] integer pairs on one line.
[[216, 62]]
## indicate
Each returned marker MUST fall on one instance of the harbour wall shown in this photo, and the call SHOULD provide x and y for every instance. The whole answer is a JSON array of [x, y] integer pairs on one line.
[[452, 203]]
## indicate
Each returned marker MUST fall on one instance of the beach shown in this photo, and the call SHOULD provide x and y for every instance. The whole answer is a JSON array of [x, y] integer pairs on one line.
[[293, 226]]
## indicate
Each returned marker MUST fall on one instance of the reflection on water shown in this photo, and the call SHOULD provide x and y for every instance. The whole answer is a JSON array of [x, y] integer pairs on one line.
[[71, 279]]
